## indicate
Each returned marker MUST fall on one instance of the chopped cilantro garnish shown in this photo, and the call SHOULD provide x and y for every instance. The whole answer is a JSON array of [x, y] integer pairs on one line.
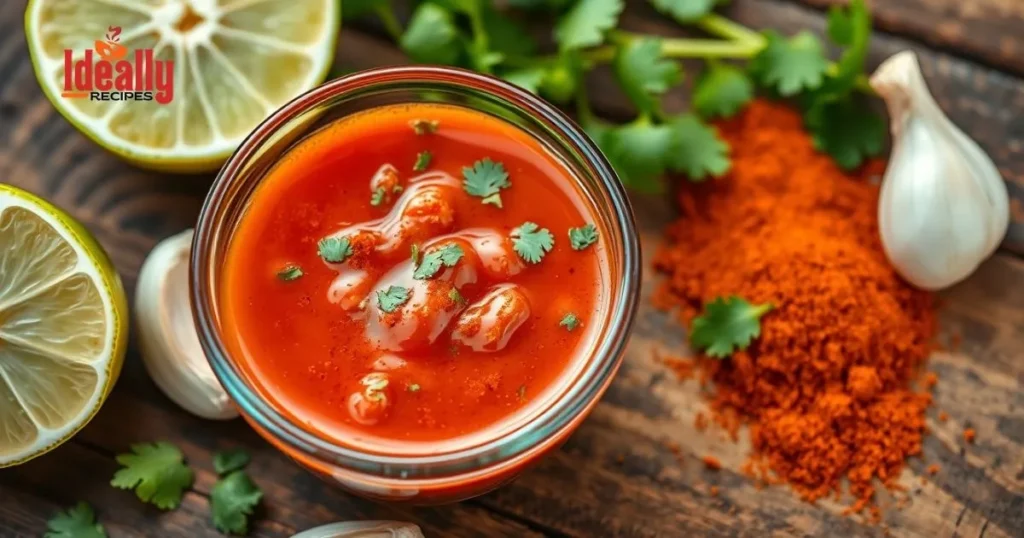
[[485, 179], [456, 297], [790, 65], [583, 237], [334, 249], [377, 196], [422, 161], [230, 460], [447, 255], [570, 321], [722, 90], [532, 242], [289, 273], [232, 501], [727, 325], [422, 127], [76, 522], [157, 472], [390, 299], [413, 387]]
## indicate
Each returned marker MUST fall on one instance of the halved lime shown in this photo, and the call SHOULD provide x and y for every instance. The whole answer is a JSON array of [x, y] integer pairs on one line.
[[235, 62], [63, 326]]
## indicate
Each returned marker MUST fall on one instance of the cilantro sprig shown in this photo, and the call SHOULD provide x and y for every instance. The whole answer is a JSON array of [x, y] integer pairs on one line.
[[78, 521], [738, 62], [582, 237], [232, 500], [485, 179], [446, 255], [157, 472], [727, 325], [393, 297], [532, 242], [334, 249]]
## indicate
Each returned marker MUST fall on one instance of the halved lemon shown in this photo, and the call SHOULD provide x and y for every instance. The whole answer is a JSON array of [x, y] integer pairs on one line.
[[63, 326], [234, 62]]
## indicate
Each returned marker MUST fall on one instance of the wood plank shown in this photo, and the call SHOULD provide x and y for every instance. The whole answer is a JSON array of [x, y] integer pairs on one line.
[[987, 31]]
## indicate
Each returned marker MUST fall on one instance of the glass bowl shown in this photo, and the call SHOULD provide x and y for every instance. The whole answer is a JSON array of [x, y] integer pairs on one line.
[[435, 476]]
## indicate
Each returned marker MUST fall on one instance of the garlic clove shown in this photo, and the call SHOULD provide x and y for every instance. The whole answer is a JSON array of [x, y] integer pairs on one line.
[[364, 529], [167, 333], [943, 207]]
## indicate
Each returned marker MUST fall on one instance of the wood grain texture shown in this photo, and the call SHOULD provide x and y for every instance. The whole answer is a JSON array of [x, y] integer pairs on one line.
[[987, 31], [616, 476]]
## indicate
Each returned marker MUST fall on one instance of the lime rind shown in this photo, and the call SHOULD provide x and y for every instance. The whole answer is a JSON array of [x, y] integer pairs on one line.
[[53, 422]]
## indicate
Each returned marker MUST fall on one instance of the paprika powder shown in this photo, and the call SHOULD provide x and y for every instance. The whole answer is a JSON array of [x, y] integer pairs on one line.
[[827, 388]]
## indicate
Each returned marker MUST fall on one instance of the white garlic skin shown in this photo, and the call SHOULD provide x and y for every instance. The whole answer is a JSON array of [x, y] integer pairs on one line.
[[167, 333], [943, 207], [364, 529]]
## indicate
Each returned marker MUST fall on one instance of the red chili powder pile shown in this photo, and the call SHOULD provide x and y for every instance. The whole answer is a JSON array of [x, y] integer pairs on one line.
[[827, 388]]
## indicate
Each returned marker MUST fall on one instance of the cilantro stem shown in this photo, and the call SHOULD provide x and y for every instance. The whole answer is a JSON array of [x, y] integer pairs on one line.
[[708, 48], [720, 26], [386, 13]]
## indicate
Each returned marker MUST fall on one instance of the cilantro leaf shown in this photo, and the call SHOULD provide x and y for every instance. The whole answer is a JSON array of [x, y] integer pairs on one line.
[[289, 272], [157, 472], [456, 297], [638, 151], [644, 74], [447, 255], [532, 242], [696, 150], [790, 65], [722, 90], [585, 24], [685, 10], [485, 179], [377, 196], [334, 249], [570, 321], [431, 36], [848, 131], [424, 127], [727, 325], [390, 299], [563, 78], [504, 35], [232, 500], [423, 159], [582, 237], [850, 27], [527, 78], [230, 460], [78, 521]]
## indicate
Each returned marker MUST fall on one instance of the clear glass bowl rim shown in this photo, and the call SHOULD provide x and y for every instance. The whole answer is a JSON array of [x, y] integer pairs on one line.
[[589, 386]]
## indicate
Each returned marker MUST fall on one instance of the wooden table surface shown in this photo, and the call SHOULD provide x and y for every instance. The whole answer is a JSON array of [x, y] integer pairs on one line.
[[615, 476]]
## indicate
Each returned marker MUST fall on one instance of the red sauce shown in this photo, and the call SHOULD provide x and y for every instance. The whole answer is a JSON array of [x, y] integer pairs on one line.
[[443, 364]]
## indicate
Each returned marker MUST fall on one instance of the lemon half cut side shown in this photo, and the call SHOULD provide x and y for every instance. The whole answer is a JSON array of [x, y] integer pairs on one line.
[[63, 326], [234, 63]]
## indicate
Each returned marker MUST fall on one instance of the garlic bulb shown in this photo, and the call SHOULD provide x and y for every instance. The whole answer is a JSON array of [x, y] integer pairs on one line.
[[364, 529], [943, 207], [167, 334]]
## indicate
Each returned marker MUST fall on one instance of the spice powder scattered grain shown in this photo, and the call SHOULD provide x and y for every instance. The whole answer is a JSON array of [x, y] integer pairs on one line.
[[826, 388]]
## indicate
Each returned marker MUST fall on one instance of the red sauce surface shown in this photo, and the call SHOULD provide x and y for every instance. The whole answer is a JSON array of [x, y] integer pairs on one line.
[[438, 368]]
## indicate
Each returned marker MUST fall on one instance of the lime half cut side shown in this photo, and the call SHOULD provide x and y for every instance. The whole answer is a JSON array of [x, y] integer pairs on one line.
[[63, 326], [234, 62]]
